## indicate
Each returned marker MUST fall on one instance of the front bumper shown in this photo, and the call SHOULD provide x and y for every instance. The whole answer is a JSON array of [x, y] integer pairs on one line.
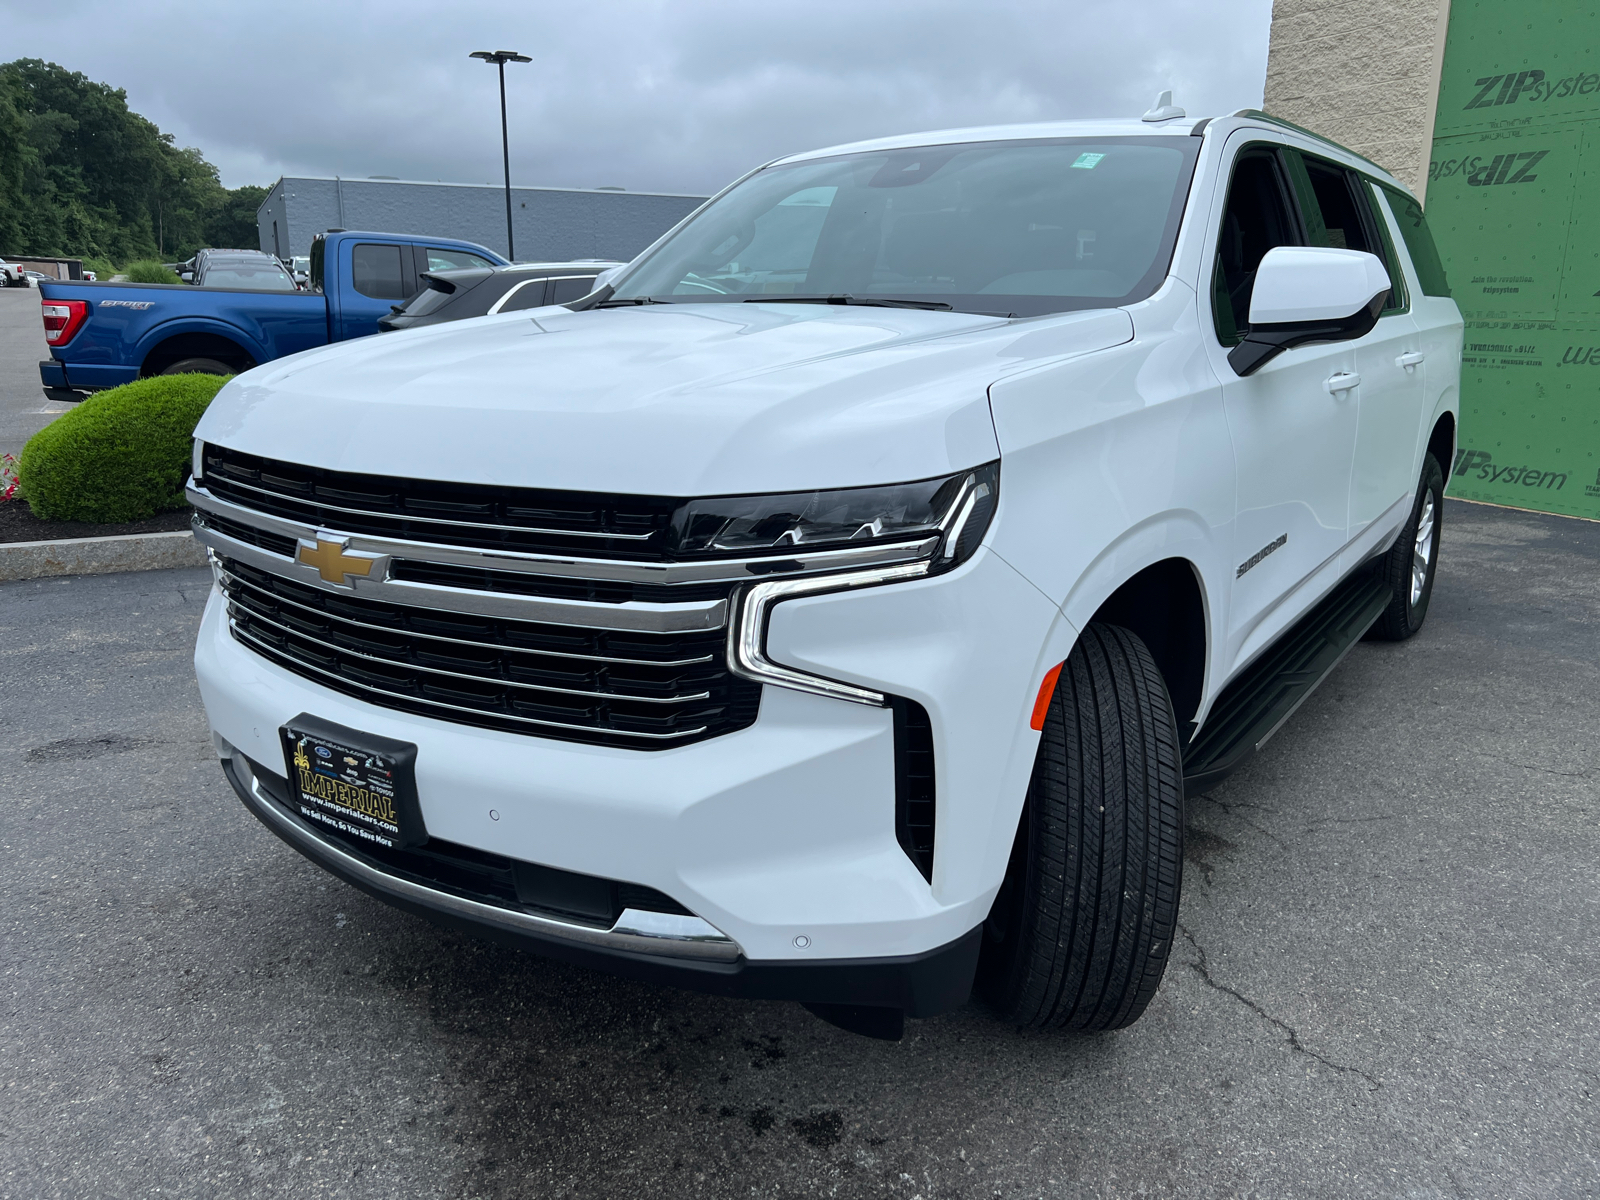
[[780, 835], [920, 985]]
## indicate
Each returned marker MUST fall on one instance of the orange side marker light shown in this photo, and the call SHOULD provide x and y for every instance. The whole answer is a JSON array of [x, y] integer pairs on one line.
[[1047, 689]]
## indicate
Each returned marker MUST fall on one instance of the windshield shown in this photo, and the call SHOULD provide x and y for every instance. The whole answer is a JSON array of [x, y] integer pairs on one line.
[[1013, 228], [261, 279]]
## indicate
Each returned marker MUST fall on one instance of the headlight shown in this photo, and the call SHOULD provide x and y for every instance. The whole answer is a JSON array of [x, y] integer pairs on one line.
[[954, 508], [936, 523]]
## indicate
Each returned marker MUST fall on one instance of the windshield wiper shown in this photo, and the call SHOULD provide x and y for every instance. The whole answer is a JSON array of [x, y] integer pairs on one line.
[[864, 301], [631, 300]]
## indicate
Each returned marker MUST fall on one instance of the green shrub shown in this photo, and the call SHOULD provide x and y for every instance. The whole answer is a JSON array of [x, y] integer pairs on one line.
[[149, 271], [121, 455]]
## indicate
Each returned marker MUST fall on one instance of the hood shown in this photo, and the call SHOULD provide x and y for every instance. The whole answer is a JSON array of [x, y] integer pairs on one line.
[[675, 400]]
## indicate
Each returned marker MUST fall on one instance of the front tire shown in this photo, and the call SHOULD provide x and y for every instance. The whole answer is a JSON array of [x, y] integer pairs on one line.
[[1411, 563], [1079, 935]]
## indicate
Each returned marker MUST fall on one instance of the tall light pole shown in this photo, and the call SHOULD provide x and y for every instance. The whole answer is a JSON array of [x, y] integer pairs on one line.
[[500, 58]]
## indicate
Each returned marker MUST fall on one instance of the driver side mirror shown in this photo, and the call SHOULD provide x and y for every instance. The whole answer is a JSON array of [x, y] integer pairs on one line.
[[1305, 294]]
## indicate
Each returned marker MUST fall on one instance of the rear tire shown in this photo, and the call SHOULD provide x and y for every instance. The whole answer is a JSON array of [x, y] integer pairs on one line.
[[199, 366], [1079, 935], [1411, 563]]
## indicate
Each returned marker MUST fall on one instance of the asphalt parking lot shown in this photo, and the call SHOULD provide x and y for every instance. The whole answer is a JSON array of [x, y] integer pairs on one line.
[[24, 409], [1388, 983]]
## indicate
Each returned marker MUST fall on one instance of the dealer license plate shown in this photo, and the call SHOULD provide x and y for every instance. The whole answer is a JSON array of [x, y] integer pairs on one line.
[[352, 783]]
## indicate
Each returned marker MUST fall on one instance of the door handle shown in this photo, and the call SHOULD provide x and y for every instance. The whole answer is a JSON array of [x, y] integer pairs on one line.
[[1344, 381], [1410, 359]]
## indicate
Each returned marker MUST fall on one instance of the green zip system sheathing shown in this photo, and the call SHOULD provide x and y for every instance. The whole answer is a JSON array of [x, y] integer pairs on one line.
[[1514, 202]]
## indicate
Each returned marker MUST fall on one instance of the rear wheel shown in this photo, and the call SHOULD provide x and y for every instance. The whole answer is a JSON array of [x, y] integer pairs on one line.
[[1080, 933], [199, 366], [1409, 566]]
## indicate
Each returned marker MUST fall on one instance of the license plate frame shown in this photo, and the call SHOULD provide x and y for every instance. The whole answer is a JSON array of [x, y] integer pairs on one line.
[[358, 785]]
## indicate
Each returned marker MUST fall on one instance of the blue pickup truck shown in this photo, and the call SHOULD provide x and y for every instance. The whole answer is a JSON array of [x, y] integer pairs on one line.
[[103, 334]]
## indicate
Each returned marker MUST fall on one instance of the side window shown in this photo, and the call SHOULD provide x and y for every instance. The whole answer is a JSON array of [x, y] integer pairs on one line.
[[570, 288], [1338, 213], [529, 294], [319, 249], [1419, 242], [1334, 219], [452, 260], [375, 271], [1256, 218]]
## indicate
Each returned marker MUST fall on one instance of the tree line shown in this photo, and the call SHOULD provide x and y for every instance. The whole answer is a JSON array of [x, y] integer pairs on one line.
[[83, 176]]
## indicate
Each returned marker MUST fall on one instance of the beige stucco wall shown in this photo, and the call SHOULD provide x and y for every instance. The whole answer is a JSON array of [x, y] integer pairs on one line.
[[1362, 72]]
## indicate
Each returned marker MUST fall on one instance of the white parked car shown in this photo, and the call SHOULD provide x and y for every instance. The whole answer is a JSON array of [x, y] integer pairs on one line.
[[12, 275], [838, 604]]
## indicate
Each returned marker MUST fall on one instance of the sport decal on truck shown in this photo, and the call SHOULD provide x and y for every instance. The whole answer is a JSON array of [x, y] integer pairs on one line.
[[141, 305], [1281, 541]]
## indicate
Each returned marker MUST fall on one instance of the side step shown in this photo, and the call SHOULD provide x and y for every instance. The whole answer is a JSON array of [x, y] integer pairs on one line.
[[1265, 695]]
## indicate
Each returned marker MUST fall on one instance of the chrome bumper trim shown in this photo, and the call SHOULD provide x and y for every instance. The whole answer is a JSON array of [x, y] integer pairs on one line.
[[664, 574], [668, 935]]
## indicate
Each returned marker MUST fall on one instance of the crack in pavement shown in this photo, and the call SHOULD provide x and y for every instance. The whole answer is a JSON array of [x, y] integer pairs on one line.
[[1202, 968], [1228, 808], [1537, 770]]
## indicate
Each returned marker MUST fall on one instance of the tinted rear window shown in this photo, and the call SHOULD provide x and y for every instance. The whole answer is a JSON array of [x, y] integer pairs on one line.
[[254, 278], [1419, 241], [572, 288], [526, 295]]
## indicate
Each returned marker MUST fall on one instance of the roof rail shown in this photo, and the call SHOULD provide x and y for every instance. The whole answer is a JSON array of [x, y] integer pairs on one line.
[[1257, 115]]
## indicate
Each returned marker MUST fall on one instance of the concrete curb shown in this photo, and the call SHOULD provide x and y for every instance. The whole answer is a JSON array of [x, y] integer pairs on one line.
[[100, 555]]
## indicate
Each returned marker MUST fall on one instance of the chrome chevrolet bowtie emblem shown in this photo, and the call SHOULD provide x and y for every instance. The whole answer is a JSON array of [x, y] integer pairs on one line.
[[335, 563]]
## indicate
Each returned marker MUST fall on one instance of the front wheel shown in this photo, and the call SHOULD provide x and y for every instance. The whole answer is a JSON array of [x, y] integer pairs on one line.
[[199, 366], [1079, 935], [1409, 566]]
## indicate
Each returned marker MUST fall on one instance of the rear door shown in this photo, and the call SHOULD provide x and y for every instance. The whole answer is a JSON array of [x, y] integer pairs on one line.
[[377, 278], [1438, 320], [1338, 207]]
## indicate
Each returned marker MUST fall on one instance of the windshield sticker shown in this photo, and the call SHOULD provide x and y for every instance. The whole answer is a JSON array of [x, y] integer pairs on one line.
[[1088, 161], [815, 197]]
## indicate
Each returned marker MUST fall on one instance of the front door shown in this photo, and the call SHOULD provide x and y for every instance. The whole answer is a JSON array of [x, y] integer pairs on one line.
[[1293, 422]]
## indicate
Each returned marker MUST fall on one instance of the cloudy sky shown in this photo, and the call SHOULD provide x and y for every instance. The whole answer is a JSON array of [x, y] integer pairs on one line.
[[644, 94]]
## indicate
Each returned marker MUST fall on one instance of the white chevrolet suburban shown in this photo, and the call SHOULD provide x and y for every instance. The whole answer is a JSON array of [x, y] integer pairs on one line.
[[838, 603]]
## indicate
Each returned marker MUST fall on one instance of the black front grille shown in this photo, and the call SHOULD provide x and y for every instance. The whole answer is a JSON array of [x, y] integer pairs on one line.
[[489, 878], [643, 691], [531, 520]]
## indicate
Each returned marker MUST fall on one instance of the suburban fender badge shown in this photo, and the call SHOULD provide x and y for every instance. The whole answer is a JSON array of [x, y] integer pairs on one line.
[[1279, 542], [335, 563]]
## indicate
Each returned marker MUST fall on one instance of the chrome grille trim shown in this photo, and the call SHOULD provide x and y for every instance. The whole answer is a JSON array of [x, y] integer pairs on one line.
[[665, 574], [274, 655], [632, 616], [494, 679], [437, 637]]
